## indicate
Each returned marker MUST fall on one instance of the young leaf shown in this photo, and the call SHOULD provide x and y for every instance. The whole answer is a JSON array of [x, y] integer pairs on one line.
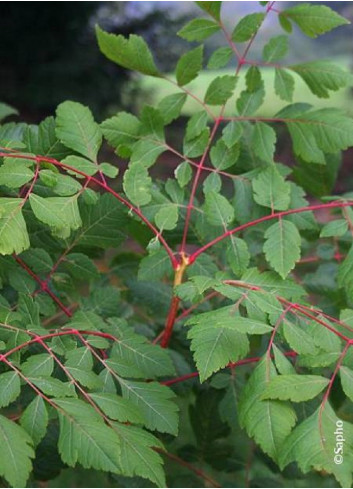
[[282, 246], [198, 29], [16, 451], [247, 27], [131, 53], [76, 129], [220, 90], [189, 65], [314, 20], [296, 388]]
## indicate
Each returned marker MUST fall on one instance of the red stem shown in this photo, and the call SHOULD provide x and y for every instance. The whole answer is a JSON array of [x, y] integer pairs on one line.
[[330, 205]]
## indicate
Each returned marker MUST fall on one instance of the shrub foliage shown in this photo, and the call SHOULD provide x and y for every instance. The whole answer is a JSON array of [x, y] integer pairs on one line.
[[230, 305]]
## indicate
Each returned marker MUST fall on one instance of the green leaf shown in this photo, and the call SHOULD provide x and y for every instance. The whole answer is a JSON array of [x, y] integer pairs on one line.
[[238, 255], [222, 156], [15, 173], [137, 456], [268, 422], [35, 419], [80, 266], [284, 84], [345, 272], [167, 217], [103, 224], [16, 451], [312, 444], [299, 339], [220, 90], [155, 403], [196, 124], [13, 231], [198, 29], [220, 58], [137, 184], [247, 27], [197, 146], [81, 164], [60, 213], [218, 210], [322, 76], [346, 375], [108, 170], [334, 228], [85, 439], [253, 79], [154, 266], [183, 173], [212, 8], [249, 102], [275, 49], [6, 110], [131, 53], [10, 388], [53, 387], [296, 388], [263, 141], [314, 20], [122, 129], [76, 129], [189, 66], [170, 106], [40, 364], [283, 365], [271, 190], [116, 407], [232, 133], [282, 246], [216, 341]]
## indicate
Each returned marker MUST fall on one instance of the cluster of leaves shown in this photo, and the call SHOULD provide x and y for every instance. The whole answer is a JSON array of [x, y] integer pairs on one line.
[[83, 379]]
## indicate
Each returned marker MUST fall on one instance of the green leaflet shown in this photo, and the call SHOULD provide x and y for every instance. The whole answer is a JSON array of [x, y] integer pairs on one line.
[[275, 49], [220, 58], [16, 450], [14, 173], [346, 375], [313, 20], [263, 141], [137, 184], [35, 419], [220, 90], [171, 106], [76, 129], [137, 456], [10, 388], [247, 27], [217, 209], [13, 231], [212, 8], [60, 213], [222, 156], [238, 255], [284, 84], [198, 30], [296, 388], [189, 65], [312, 444], [131, 53], [282, 246], [268, 422], [270, 188], [155, 402], [322, 76]]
